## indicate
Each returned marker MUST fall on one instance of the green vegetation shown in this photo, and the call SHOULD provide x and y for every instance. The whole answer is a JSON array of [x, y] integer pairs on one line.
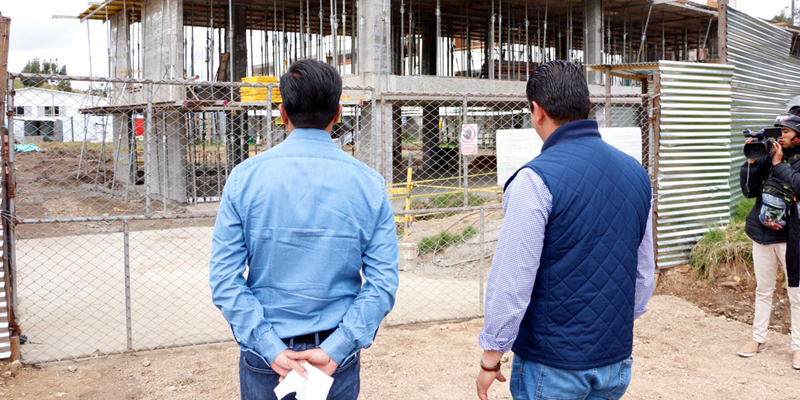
[[727, 251], [444, 239], [451, 200], [45, 67]]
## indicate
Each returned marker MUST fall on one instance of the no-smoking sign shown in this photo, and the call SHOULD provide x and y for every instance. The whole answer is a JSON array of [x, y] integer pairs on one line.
[[469, 139]]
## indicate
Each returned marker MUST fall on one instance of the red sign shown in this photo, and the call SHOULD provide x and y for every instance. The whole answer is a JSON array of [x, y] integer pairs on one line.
[[139, 126]]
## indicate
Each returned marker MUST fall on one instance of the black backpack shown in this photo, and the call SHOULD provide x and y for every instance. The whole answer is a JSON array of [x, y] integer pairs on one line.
[[777, 200]]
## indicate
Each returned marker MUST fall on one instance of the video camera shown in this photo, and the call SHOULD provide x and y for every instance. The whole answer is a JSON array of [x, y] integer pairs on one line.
[[762, 143]]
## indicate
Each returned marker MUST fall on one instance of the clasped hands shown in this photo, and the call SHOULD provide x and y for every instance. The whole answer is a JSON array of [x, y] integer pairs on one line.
[[289, 360]]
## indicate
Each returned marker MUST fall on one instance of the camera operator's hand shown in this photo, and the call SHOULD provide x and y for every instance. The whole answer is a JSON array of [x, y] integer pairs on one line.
[[777, 153], [750, 160]]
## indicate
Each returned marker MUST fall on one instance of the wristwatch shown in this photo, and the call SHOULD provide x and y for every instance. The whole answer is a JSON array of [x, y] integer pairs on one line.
[[490, 369]]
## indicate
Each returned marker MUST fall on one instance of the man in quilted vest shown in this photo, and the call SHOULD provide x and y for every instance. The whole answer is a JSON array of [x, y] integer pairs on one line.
[[574, 264]]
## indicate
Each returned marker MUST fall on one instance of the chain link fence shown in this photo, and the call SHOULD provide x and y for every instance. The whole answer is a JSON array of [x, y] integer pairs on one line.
[[118, 181], [448, 205]]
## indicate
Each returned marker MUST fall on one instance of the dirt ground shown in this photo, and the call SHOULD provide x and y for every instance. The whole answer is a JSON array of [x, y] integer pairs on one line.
[[729, 298], [680, 352], [50, 186]]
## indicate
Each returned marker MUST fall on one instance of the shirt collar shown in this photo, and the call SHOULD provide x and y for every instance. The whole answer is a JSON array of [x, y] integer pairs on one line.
[[312, 134]]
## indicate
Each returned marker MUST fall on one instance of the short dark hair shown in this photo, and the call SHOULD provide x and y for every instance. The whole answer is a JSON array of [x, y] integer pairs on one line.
[[795, 111], [560, 88], [311, 91]]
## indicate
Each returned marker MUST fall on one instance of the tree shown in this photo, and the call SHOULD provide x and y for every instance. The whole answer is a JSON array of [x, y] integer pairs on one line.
[[32, 67], [785, 17], [46, 67]]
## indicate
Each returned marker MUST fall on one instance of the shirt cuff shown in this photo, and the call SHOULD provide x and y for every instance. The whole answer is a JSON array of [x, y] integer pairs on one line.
[[269, 345], [493, 344], [638, 313], [337, 346]]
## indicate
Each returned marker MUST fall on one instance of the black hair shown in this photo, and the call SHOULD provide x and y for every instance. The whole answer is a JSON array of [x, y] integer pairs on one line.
[[311, 91], [559, 87], [795, 111]]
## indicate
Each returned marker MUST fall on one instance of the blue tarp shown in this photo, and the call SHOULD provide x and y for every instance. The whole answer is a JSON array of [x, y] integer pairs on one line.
[[26, 147]]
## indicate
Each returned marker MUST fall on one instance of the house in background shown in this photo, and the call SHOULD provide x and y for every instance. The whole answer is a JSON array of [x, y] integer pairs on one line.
[[45, 115]]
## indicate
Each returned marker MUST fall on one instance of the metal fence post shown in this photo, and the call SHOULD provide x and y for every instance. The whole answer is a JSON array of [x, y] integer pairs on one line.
[[269, 118], [148, 138], [126, 248], [480, 264], [463, 156], [608, 97]]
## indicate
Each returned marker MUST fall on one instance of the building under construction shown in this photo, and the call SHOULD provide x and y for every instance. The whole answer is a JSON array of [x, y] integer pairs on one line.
[[689, 76], [402, 41]]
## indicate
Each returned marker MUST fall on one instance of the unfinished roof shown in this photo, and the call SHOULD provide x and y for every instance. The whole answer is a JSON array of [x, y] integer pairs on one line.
[[109, 8]]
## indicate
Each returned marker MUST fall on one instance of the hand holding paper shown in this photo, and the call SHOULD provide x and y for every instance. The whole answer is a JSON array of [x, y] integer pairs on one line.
[[316, 387], [317, 358]]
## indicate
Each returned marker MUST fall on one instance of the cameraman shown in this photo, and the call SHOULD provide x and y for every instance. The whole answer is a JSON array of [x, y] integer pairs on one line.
[[773, 181]]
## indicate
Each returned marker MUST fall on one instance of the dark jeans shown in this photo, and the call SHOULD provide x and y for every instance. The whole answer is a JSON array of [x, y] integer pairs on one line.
[[257, 381]]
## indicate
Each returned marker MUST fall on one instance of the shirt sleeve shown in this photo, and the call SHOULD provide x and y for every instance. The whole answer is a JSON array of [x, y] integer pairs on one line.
[[526, 205], [229, 290], [380, 261], [645, 269]]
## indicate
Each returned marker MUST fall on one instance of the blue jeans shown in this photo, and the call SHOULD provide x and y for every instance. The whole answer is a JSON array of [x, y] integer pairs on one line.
[[257, 381], [534, 381]]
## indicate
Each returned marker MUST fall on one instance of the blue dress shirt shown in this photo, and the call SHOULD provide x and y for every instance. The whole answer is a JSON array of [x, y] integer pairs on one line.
[[309, 221]]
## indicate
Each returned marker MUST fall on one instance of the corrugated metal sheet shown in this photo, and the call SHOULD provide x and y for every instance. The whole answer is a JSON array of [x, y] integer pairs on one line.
[[766, 78], [694, 165]]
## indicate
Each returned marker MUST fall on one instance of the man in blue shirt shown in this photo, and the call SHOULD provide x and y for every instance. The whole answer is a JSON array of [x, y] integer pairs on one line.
[[574, 263], [309, 221]]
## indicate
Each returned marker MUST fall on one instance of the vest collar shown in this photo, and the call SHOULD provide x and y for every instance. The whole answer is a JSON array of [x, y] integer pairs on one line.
[[572, 131]]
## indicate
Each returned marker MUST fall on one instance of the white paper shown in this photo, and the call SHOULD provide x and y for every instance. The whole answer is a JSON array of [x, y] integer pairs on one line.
[[316, 387], [515, 147]]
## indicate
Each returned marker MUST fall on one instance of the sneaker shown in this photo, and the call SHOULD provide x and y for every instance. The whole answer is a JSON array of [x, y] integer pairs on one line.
[[796, 359], [752, 348]]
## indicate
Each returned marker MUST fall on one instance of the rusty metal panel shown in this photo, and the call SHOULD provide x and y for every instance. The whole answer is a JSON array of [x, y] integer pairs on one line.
[[693, 185]]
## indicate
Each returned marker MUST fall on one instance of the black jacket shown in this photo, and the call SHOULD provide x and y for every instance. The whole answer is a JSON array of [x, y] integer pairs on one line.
[[751, 179]]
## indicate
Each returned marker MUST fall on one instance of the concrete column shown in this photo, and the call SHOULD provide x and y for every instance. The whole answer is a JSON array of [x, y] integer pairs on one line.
[[120, 143], [397, 41], [397, 136], [374, 146], [594, 38], [562, 48], [239, 60], [373, 44], [429, 50], [169, 169], [162, 38], [430, 137]]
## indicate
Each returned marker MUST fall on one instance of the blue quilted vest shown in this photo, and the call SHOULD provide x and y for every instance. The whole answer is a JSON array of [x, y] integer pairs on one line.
[[581, 310]]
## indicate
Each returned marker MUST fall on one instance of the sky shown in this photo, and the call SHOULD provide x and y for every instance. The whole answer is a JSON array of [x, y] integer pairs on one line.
[[35, 33]]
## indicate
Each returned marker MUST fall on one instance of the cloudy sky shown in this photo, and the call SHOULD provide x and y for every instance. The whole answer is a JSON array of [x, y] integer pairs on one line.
[[35, 33]]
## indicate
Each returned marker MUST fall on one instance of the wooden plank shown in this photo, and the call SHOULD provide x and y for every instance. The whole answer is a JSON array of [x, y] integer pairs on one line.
[[722, 31]]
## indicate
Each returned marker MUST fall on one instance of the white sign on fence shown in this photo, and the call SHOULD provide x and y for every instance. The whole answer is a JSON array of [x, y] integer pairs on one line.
[[469, 139], [515, 147]]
